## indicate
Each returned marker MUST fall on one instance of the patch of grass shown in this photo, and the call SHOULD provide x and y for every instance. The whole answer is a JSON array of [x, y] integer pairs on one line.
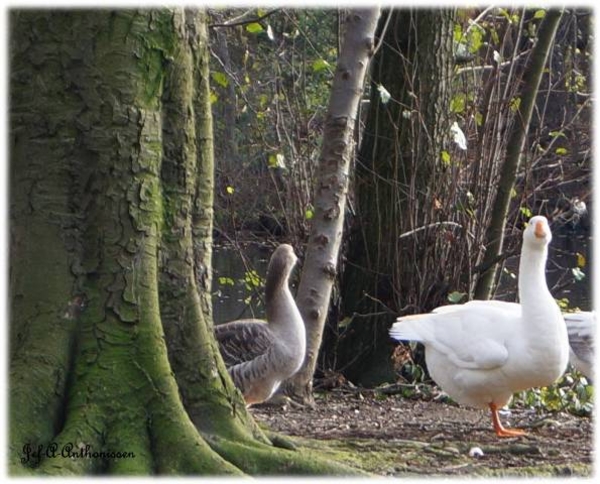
[[399, 457], [571, 470], [373, 456]]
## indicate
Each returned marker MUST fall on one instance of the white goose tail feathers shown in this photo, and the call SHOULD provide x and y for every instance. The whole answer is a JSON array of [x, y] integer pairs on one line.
[[407, 328]]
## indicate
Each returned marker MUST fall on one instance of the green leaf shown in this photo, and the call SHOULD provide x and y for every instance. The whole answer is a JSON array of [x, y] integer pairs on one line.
[[557, 134], [455, 297], [276, 161], [309, 213], [458, 104], [263, 100], [513, 193], [515, 102], [478, 118], [226, 281], [458, 32], [475, 39], [230, 190], [561, 151], [213, 97], [252, 279], [504, 13], [539, 14], [445, 158], [254, 28], [526, 212], [495, 36], [220, 78], [319, 65]]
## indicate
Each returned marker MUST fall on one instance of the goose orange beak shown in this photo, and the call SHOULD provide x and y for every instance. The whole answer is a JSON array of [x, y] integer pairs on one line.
[[540, 230]]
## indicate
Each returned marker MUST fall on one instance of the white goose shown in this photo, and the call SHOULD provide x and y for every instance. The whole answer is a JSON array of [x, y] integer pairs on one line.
[[259, 354], [482, 352], [581, 328]]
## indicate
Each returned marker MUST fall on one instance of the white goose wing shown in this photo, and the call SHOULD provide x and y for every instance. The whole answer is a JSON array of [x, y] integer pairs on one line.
[[472, 335], [507, 307]]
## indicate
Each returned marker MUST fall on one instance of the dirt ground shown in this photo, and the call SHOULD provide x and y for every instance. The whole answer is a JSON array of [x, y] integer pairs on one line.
[[391, 435]]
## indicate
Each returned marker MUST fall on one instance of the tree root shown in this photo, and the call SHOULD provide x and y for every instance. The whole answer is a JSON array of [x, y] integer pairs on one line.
[[180, 450], [262, 460]]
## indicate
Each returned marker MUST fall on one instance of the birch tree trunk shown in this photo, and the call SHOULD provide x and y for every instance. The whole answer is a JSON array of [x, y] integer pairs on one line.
[[520, 126], [320, 265], [113, 365]]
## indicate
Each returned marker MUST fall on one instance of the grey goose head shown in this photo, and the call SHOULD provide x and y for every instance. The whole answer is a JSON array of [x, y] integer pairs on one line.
[[282, 262]]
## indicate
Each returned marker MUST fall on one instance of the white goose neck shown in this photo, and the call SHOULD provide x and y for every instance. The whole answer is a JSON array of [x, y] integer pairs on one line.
[[533, 287]]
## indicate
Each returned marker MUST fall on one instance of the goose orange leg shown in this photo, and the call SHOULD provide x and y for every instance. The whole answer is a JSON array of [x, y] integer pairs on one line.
[[499, 429]]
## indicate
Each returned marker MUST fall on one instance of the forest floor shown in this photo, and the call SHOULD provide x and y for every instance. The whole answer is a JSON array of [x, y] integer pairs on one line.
[[394, 436]]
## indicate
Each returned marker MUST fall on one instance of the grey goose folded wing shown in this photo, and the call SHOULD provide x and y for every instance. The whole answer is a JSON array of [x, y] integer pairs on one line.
[[243, 340], [582, 347], [580, 328]]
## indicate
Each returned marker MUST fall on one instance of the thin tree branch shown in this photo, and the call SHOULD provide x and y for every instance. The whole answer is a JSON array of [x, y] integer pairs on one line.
[[241, 20]]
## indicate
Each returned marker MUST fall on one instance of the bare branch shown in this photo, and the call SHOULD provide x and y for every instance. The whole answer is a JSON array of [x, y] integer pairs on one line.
[[243, 20]]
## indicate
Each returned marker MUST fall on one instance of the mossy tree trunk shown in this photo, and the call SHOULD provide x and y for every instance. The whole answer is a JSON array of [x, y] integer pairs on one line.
[[111, 177], [398, 255]]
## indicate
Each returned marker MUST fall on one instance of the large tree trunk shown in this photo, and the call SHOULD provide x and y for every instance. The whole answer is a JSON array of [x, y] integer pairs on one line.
[[397, 260], [320, 264], [111, 210]]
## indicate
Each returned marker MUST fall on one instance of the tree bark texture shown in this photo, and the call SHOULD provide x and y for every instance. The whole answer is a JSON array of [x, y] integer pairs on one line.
[[320, 264], [397, 259], [111, 215], [520, 126]]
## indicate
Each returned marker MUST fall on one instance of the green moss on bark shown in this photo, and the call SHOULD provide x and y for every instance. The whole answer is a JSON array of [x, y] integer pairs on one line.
[[111, 181], [44, 301], [263, 460]]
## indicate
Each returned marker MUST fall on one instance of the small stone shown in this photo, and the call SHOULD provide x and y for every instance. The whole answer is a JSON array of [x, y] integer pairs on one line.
[[475, 452]]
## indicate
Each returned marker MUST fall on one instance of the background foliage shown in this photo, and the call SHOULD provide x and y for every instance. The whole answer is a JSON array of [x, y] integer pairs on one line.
[[270, 76]]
